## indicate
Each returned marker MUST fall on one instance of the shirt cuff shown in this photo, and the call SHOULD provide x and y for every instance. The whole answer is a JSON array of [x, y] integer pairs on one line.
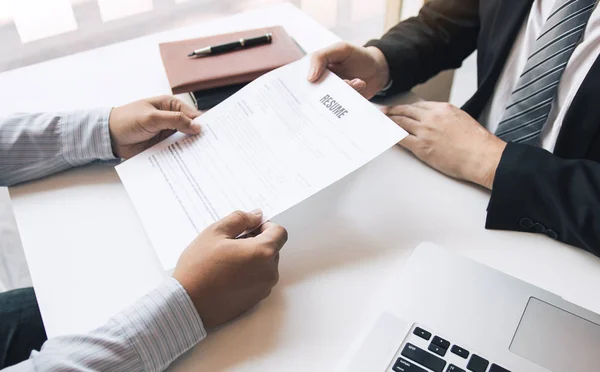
[[162, 325], [86, 137], [384, 92]]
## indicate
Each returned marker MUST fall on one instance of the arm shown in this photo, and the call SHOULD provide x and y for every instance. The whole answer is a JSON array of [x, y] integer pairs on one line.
[[536, 191], [439, 38], [36, 145], [532, 189], [217, 278], [148, 336]]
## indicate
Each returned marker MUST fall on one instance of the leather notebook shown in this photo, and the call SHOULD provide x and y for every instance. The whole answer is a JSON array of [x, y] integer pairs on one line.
[[209, 98], [187, 74]]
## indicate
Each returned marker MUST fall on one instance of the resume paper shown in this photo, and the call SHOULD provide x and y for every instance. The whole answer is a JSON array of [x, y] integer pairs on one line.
[[271, 145]]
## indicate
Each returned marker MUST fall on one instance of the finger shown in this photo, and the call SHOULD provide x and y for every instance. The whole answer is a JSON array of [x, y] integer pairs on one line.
[[428, 105], [161, 136], [320, 59], [170, 103], [175, 120], [273, 234], [410, 143], [265, 294], [273, 277], [413, 112], [410, 125], [238, 223], [357, 84]]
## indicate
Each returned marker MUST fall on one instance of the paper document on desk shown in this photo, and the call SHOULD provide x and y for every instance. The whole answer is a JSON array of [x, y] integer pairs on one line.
[[273, 144]]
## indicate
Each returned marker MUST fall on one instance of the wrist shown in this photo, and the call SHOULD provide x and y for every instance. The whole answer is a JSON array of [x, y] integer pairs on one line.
[[196, 293], [382, 69], [487, 162], [188, 287]]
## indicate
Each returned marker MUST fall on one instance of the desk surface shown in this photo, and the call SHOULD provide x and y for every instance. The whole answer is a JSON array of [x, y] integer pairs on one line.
[[89, 256]]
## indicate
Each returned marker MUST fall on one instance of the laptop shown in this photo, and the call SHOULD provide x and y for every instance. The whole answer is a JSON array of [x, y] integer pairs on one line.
[[447, 313]]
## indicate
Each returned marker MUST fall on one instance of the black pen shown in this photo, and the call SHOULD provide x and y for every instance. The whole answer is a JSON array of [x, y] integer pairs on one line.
[[228, 47]]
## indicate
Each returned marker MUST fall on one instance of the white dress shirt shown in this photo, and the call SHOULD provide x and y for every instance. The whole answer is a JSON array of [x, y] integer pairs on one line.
[[151, 333], [575, 72]]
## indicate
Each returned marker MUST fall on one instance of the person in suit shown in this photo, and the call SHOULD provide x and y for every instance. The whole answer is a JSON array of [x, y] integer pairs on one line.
[[531, 131]]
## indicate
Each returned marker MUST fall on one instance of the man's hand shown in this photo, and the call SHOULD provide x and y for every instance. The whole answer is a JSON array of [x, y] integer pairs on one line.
[[225, 276], [140, 125], [449, 140], [365, 69]]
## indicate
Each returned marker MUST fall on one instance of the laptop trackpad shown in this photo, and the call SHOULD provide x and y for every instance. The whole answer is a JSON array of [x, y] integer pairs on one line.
[[556, 339]]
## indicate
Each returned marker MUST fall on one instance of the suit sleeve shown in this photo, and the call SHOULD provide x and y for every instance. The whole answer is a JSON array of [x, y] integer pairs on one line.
[[536, 191], [439, 38]]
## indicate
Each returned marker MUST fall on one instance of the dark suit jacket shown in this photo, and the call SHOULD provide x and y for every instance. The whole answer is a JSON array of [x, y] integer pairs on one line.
[[534, 190]]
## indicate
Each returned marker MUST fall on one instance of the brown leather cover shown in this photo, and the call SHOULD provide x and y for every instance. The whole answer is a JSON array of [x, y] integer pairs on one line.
[[241, 66]]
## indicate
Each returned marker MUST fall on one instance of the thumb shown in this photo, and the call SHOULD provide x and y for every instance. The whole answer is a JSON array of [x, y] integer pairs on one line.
[[358, 84], [320, 59], [238, 223], [175, 120]]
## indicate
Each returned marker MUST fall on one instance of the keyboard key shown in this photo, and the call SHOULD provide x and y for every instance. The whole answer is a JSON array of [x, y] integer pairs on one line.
[[460, 351], [424, 358], [422, 333], [477, 364], [453, 368], [436, 349], [403, 365], [441, 342], [497, 368]]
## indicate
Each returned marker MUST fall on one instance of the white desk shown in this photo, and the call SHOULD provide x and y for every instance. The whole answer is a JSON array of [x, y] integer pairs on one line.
[[89, 256]]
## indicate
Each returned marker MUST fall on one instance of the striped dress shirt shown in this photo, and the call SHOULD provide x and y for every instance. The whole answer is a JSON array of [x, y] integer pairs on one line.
[[154, 331], [36, 145]]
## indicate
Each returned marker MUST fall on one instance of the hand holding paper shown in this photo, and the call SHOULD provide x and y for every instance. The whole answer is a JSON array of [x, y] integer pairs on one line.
[[273, 144]]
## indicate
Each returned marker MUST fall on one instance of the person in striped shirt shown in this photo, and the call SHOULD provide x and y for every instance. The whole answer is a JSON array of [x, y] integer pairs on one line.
[[217, 278]]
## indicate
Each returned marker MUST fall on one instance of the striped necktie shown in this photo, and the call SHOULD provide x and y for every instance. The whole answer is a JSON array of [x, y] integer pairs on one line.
[[530, 102]]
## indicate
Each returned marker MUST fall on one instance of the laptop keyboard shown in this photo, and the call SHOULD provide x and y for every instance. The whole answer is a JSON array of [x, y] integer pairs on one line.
[[440, 355]]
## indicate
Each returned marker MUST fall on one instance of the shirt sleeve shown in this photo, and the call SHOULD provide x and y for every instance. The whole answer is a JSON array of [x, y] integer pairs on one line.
[[147, 336], [36, 145]]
